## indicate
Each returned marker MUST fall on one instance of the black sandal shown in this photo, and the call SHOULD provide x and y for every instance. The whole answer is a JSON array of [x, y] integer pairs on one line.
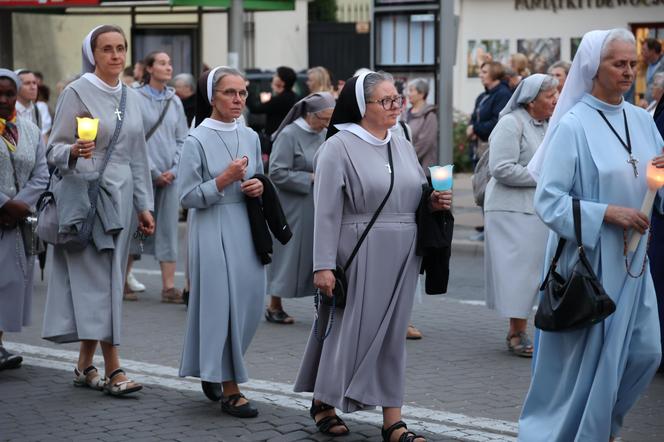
[[407, 436], [211, 390], [326, 424], [278, 317], [9, 360], [229, 406]]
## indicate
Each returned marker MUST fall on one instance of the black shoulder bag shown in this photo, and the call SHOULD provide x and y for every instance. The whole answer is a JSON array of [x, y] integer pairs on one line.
[[577, 302], [160, 120], [338, 298], [341, 285]]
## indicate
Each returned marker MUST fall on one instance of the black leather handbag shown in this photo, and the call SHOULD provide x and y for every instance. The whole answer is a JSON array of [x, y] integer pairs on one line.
[[578, 302], [341, 282]]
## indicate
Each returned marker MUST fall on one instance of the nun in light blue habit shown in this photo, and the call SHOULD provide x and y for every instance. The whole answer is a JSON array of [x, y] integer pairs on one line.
[[585, 381]]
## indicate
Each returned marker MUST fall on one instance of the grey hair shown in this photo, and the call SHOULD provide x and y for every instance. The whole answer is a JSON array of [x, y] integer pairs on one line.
[[187, 79], [374, 79], [562, 64], [658, 80], [548, 83], [617, 34], [225, 71], [420, 85]]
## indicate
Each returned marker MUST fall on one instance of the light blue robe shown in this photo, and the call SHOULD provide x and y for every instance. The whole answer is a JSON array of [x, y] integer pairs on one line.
[[585, 381], [227, 280]]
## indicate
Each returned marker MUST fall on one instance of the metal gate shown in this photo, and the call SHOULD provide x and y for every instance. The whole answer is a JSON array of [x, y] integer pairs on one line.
[[339, 47]]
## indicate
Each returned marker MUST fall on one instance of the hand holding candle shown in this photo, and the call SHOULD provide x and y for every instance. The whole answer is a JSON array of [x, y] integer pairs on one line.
[[441, 177], [655, 180]]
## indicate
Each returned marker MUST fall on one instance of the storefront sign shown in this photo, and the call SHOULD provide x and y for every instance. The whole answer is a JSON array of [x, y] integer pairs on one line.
[[556, 5]]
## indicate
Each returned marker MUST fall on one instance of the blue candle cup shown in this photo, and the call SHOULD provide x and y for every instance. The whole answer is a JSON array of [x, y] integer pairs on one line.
[[441, 177]]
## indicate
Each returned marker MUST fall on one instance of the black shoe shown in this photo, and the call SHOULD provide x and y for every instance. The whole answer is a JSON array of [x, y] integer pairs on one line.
[[212, 390], [9, 360], [278, 317], [185, 297], [228, 406], [326, 424]]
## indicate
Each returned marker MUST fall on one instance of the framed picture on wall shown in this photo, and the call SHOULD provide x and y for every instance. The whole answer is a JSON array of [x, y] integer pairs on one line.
[[541, 52], [574, 46], [480, 51]]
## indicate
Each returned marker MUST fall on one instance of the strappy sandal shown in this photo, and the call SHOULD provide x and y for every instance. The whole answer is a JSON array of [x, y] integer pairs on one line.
[[278, 317], [406, 436], [120, 388], [89, 378], [9, 360], [326, 424], [524, 348], [229, 406]]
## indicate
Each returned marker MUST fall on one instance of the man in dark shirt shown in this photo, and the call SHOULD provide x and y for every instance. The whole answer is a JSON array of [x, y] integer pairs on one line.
[[276, 105], [656, 249], [185, 88]]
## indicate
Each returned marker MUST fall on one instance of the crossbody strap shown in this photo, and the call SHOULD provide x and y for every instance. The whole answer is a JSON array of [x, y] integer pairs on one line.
[[94, 188], [159, 121], [375, 215], [576, 213]]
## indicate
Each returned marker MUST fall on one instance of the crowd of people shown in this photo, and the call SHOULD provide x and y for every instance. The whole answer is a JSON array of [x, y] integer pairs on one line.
[[334, 200]]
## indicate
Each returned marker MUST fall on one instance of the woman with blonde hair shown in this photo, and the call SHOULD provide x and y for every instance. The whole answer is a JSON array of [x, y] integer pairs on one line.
[[318, 80], [519, 64]]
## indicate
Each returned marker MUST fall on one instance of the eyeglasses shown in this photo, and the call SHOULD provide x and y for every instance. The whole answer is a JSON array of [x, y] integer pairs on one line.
[[232, 93], [389, 102]]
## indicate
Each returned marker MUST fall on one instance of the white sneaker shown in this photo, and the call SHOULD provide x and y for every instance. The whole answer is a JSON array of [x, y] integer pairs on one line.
[[133, 284]]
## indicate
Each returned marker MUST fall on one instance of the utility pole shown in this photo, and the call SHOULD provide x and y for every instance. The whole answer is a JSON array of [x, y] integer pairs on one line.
[[6, 39], [236, 34], [446, 60]]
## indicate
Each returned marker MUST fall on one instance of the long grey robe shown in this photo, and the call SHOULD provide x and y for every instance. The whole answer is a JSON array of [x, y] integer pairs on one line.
[[291, 167], [164, 150], [84, 297], [362, 363], [17, 273], [227, 280]]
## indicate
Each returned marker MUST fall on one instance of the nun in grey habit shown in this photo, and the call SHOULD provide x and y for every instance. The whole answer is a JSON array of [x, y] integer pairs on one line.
[[227, 278], [361, 364], [292, 171], [22, 162], [84, 297]]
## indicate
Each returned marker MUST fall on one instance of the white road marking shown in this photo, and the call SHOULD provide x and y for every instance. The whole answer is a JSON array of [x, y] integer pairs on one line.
[[451, 425]]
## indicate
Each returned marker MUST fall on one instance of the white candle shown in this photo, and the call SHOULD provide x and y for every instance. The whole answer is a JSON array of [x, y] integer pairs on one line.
[[655, 180]]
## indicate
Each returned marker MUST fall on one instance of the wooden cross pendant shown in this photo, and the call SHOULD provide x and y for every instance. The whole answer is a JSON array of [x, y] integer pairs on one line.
[[118, 114], [633, 161]]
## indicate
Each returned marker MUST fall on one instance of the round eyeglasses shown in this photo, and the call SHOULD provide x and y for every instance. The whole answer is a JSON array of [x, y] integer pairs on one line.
[[389, 102]]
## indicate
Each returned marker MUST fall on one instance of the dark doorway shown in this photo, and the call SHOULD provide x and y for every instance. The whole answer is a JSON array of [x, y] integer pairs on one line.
[[339, 47], [180, 44]]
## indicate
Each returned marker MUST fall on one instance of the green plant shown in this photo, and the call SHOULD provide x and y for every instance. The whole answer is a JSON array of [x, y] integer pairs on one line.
[[461, 155]]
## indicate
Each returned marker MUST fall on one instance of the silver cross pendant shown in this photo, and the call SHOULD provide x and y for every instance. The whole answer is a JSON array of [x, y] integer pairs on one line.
[[118, 113], [633, 161], [389, 169]]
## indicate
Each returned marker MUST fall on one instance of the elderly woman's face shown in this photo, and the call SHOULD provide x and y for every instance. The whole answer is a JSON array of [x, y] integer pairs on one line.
[[617, 70], [227, 99], [543, 105], [319, 120], [384, 106], [8, 96], [560, 75], [110, 53], [414, 96]]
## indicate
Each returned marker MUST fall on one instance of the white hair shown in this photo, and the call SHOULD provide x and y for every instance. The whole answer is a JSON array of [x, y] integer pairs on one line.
[[617, 34], [658, 80], [374, 79]]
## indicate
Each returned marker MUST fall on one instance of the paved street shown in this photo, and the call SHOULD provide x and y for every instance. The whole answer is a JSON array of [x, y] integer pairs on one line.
[[462, 384]]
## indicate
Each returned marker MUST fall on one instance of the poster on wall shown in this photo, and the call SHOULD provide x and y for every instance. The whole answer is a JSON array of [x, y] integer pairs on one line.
[[480, 51], [574, 46], [541, 52]]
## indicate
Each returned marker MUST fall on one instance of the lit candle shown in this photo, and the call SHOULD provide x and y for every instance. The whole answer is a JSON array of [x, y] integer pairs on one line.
[[655, 180], [87, 128], [441, 177]]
